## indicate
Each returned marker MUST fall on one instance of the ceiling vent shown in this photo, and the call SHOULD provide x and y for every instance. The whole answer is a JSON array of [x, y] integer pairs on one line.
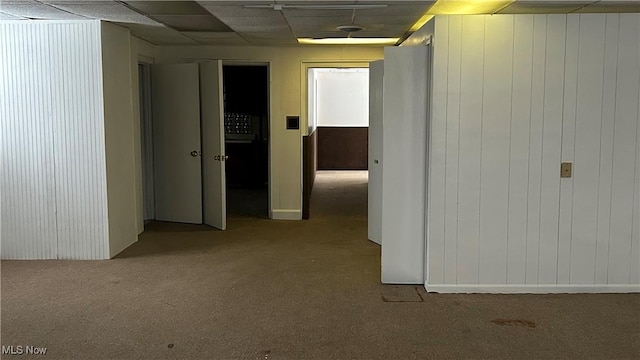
[[350, 28]]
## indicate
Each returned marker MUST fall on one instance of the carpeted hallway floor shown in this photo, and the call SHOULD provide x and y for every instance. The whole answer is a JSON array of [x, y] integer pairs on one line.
[[268, 289]]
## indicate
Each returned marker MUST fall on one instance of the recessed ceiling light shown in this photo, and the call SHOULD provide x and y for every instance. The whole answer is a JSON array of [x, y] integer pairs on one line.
[[348, 41]]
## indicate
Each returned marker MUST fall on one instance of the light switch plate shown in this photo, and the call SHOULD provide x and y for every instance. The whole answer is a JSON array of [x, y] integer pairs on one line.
[[565, 169]]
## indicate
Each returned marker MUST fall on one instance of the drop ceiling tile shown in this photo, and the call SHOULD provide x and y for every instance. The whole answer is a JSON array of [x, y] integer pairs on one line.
[[316, 2], [168, 7], [4, 16], [17, 2], [222, 11], [269, 36], [317, 34], [319, 21], [37, 11], [612, 7], [192, 22], [260, 28], [396, 9], [272, 42], [387, 20], [217, 38], [78, 2], [107, 11], [316, 13], [159, 35], [543, 7], [254, 21]]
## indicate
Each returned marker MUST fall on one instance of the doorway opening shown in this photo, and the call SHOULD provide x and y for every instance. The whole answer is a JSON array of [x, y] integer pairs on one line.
[[204, 141], [338, 120], [246, 125], [146, 142]]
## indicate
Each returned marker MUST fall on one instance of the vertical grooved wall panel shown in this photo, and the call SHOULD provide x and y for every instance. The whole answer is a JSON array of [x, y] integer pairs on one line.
[[28, 218], [514, 96], [53, 163]]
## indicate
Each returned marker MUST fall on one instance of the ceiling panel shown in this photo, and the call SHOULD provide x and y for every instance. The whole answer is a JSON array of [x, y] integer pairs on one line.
[[110, 11], [316, 13], [612, 6], [192, 22], [4, 16], [34, 10], [272, 42], [236, 10], [395, 9], [261, 28], [540, 7], [217, 38], [159, 34], [169, 7], [389, 20], [319, 21], [316, 34], [266, 21]]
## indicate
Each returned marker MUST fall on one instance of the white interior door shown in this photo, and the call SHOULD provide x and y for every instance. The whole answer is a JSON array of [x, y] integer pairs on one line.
[[376, 72], [405, 119], [213, 154], [176, 139]]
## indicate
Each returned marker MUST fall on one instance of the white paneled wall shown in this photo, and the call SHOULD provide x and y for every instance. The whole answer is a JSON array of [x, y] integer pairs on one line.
[[513, 97], [27, 210], [53, 180], [78, 136]]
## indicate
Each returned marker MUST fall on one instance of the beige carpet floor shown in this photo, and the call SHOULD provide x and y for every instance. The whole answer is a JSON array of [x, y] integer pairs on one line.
[[268, 289]]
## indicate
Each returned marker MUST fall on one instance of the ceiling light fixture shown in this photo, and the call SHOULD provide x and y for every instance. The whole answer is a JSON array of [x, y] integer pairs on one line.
[[460, 7], [467, 7], [317, 7], [348, 41]]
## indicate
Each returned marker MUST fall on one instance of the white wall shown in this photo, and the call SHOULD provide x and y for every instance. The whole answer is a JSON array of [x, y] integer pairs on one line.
[[285, 99], [120, 137], [342, 97], [312, 105], [404, 153], [513, 96], [53, 169]]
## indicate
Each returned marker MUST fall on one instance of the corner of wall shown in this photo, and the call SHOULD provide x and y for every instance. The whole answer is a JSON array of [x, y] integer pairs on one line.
[[119, 137]]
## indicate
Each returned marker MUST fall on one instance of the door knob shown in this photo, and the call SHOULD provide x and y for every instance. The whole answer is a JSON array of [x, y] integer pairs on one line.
[[195, 153], [217, 157]]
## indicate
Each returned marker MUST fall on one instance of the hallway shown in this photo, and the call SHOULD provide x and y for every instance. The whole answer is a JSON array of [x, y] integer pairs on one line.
[[268, 289]]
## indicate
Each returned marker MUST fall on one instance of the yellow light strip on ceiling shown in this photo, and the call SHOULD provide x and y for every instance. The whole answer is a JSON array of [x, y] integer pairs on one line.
[[460, 7], [348, 41], [420, 23], [467, 7]]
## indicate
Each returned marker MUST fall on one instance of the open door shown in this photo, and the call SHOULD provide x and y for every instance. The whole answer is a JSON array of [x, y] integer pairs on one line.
[[404, 137], [213, 154], [176, 139], [376, 73]]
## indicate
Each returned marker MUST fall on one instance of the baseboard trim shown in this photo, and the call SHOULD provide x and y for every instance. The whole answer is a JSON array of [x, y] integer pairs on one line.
[[531, 289], [286, 214]]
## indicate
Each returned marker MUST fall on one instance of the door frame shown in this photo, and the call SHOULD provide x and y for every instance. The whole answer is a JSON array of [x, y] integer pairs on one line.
[[145, 125], [258, 62], [305, 65]]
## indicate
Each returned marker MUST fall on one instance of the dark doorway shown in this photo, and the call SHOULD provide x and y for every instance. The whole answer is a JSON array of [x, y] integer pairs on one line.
[[246, 121]]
